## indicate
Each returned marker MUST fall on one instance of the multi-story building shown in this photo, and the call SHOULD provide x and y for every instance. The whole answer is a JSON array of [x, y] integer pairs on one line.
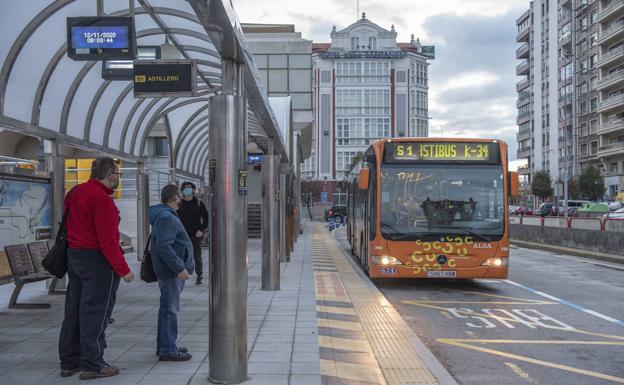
[[366, 87], [610, 86], [570, 98]]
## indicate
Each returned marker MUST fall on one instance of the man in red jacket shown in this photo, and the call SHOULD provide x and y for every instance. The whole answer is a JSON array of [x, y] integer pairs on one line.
[[95, 264]]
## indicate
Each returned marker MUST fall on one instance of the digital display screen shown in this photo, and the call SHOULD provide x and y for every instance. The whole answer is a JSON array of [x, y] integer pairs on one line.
[[100, 37], [254, 158], [486, 152]]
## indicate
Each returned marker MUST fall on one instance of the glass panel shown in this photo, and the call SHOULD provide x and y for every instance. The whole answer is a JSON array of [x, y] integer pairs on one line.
[[278, 80], [278, 61], [441, 200], [300, 80], [300, 61]]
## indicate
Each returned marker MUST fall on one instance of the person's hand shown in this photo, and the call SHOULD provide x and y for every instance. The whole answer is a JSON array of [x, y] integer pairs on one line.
[[128, 277], [183, 275], [199, 234]]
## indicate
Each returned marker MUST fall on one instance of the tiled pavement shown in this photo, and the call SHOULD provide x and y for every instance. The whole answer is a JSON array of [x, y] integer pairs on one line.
[[320, 293]]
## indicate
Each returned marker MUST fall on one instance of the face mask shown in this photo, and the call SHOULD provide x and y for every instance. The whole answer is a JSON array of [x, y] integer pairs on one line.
[[187, 191], [115, 184]]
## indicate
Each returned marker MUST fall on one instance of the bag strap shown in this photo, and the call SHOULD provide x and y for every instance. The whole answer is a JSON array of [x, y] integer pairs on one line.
[[66, 212], [147, 245]]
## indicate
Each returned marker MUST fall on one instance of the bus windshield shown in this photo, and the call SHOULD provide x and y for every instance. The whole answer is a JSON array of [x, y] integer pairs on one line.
[[430, 201]]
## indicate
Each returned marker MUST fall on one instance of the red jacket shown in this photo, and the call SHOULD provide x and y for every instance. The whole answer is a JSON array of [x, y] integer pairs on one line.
[[93, 223]]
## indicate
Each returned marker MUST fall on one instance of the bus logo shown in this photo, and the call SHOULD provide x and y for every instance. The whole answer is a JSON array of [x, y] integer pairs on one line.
[[442, 259]]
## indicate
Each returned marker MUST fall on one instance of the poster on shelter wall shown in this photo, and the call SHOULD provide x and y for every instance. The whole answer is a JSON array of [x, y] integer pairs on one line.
[[25, 209]]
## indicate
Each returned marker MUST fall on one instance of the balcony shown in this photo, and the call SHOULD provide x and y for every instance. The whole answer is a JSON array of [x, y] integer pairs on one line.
[[611, 149], [611, 126], [522, 85], [611, 80], [522, 101], [523, 68], [614, 32], [523, 117], [522, 52], [610, 11], [524, 134], [524, 152], [523, 36], [611, 56], [565, 99], [611, 103]]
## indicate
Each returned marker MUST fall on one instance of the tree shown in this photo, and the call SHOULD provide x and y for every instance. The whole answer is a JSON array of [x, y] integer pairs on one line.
[[591, 183], [354, 161], [542, 185], [573, 189]]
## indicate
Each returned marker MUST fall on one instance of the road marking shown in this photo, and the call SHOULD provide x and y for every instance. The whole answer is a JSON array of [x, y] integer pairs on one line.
[[446, 314], [536, 342], [521, 373], [567, 303], [553, 365]]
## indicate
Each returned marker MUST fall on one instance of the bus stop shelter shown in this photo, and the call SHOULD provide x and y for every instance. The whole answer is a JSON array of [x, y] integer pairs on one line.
[[66, 103]]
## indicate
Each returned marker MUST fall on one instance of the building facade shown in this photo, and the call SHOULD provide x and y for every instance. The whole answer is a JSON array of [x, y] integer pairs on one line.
[[571, 94], [366, 87]]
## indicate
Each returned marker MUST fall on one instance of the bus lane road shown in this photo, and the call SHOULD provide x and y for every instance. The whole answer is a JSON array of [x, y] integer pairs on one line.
[[555, 321]]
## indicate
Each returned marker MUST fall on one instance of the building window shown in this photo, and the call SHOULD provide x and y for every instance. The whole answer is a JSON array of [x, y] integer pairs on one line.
[[158, 146], [593, 60], [372, 43], [355, 43], [613, 167], [593, 104], [593, 147]]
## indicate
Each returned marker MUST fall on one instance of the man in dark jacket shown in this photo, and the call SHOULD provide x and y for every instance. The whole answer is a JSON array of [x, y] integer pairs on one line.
[[95, 262], [194, 217], [172, 256]]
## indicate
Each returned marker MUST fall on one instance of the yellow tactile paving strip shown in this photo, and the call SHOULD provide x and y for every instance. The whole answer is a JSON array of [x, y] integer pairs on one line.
[[359, 342]]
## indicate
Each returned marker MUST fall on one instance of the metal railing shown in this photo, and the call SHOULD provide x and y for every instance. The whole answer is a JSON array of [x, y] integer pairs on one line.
[[612, 146], [607, 56], [611, 30], [610, 78], [613, 123], [612, 100], [609, 8], [522, 49], [582, 223]]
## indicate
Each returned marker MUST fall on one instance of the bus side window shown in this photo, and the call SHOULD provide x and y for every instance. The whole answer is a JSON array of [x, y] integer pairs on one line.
[[372, 191]]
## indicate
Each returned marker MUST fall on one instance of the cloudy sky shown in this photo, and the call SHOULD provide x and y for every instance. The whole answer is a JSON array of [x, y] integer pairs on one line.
[[472, 80]]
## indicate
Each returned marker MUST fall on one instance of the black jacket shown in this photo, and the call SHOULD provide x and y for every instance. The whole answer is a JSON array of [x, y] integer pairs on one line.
[[193, 215]]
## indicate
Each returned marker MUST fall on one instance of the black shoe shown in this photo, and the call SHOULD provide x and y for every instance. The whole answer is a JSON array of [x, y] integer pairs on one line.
[[178, 356], [69, 372], [200, 280], [111, 320], [181, 349], [107, 371]]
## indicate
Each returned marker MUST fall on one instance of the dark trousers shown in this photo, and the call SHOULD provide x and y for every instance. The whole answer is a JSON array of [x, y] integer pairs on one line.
[[199, 266], [89, 302]]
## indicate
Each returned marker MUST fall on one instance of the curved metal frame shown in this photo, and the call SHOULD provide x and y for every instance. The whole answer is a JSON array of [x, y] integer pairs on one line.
[[191, 139], [178, 144]]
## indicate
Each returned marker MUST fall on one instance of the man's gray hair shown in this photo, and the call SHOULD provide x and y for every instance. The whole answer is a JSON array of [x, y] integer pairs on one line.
[[102, 167], [169, 193]]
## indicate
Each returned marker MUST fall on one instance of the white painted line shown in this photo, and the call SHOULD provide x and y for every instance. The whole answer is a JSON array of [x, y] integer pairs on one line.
[[597, 262], [567, 303]]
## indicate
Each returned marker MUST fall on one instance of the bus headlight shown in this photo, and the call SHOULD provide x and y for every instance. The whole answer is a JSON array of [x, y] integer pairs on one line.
[[496, 262], [385, 260]]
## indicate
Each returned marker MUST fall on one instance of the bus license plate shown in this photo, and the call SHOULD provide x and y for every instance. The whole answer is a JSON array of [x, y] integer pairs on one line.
[[441, 274]]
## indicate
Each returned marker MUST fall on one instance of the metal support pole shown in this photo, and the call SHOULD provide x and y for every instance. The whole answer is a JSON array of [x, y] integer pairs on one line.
[[56, 164], [143, 227], [270, 248], [282, 212], [228, 260]]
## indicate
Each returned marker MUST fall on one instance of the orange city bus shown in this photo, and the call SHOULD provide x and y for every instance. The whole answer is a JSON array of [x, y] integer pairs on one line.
[[432, 208]]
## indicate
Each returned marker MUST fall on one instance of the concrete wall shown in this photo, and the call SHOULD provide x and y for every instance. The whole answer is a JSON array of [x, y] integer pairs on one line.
[[594, 240]]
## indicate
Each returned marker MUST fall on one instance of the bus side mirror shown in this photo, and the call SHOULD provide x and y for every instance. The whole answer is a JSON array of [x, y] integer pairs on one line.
[[363, 179], [514, 183]]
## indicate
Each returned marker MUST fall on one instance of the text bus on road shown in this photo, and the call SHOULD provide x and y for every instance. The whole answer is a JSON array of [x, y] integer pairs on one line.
[[432, 208]]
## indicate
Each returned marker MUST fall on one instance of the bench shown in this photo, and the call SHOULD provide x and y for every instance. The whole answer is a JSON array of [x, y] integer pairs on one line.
[[25, 262]]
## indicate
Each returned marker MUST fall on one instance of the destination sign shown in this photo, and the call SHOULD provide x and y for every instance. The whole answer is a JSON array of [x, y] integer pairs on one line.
[[100, 38], [483, 152], [164, 78], [363, 55]]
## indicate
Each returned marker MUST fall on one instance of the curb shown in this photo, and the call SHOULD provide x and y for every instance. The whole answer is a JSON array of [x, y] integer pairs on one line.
[[588, 254], [429, 359]]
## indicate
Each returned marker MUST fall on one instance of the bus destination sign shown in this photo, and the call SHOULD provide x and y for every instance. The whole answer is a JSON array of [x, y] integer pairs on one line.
[[480, 152]]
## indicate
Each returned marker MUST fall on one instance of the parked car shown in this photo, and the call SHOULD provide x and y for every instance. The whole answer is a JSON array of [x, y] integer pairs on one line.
[[338, 212], [545, 209], [617, 214], [593, 209], [523, 210], [512, 210]]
